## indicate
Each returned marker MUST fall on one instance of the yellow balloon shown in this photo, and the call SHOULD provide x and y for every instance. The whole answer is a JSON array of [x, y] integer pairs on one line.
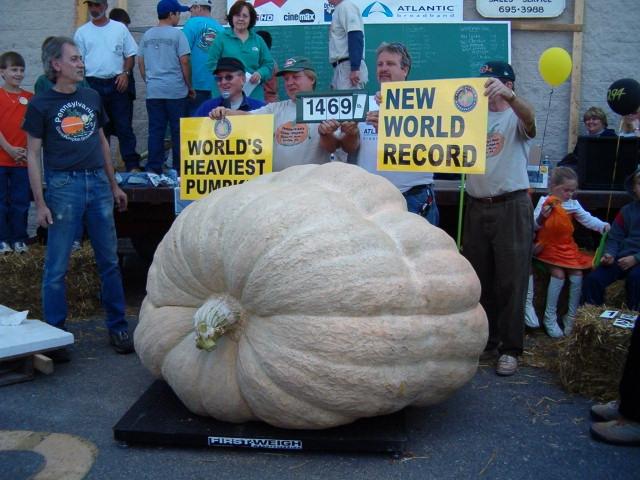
[[555, 66]]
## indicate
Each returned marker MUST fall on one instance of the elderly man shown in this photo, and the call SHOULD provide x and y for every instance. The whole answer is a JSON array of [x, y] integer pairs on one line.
[[109, 52], [393, 64], [66, 123], [346, 46], [498, 226], [229, 75], [200, 31], [296, 143]]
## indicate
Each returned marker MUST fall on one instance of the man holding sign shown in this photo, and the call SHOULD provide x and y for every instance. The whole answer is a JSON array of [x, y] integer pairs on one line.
[[498, 226], [230, 77], [393, 64], [296, 143]]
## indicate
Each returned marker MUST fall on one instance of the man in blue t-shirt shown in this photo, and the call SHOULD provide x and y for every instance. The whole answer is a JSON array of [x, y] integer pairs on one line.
[[66, 122], [200, 31]]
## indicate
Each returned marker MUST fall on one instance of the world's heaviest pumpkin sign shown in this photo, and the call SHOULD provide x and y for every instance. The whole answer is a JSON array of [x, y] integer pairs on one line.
[[433, 126], [220, 153]]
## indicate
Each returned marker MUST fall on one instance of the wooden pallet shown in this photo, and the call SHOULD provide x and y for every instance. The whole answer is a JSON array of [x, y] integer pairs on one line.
[[23, 368]]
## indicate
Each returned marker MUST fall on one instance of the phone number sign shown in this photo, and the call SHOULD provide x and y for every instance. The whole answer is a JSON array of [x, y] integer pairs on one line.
[[520, 8]]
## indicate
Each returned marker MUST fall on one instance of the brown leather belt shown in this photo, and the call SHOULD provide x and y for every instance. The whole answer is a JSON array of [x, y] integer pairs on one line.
[[499, 198]]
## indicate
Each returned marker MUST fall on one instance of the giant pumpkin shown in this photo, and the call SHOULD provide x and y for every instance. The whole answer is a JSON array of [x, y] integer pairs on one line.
[[309, 298]]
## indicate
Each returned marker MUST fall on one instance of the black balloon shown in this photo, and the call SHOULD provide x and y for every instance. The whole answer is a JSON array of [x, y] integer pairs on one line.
[[623, 96]]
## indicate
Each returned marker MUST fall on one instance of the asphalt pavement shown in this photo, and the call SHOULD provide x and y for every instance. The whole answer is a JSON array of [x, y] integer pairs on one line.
[[520, 427]]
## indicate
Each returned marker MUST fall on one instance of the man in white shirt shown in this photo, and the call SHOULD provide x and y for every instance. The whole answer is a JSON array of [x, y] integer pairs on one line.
[[346, 46], [109, 50]]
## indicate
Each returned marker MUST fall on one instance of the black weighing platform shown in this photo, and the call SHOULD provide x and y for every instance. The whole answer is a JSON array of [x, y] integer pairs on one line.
[[158, 417]]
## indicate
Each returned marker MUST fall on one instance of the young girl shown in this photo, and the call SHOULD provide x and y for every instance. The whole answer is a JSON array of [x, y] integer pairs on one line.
[[556, 248]]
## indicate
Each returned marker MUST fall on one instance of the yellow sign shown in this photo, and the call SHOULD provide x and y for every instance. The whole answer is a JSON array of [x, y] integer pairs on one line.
[[219, 153], [433, 126]]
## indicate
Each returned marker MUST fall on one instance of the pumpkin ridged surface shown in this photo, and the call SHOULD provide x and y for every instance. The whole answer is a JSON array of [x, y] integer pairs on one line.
[[352, 306]]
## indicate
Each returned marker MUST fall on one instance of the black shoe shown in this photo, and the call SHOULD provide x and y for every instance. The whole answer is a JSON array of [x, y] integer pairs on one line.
[[121, 342], [60, 355]]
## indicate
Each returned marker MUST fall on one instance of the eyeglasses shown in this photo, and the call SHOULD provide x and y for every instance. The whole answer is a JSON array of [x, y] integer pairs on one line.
[[226, 78]]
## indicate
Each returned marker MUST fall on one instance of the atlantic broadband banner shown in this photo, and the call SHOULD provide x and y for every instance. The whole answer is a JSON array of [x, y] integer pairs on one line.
[[433, 126], [304, 12], [221, 153]]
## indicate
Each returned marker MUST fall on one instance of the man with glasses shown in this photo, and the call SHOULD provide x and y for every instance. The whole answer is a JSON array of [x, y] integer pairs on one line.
[[200, 31], [164, 64], [296, 143], [230, 76], [109, 53], [498, 223]]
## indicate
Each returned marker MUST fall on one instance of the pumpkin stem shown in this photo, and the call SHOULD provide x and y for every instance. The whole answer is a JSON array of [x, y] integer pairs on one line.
[[214, 318]]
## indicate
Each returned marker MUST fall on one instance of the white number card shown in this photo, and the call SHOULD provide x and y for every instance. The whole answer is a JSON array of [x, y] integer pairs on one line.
[[341, 105]]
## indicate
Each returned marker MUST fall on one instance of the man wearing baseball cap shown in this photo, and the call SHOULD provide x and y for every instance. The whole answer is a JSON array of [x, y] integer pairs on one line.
[[498, 226], [230, 77], [295, 143], [200, 31], [164, 65]]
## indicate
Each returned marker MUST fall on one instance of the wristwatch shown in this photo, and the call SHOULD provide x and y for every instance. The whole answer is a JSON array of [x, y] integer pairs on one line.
[[513, 97]]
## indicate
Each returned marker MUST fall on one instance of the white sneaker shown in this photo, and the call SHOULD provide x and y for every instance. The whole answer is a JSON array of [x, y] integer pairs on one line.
[[5, 248], [20, 247]]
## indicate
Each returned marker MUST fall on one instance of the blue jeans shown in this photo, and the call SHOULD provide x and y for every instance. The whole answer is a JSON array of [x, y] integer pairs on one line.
[[594, 284], [422, 200], [14, 204], [119, 108], [72, 197], [163, 111]]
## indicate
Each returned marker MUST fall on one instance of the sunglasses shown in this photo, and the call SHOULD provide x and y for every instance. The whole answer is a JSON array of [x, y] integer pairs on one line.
[[226, 78]]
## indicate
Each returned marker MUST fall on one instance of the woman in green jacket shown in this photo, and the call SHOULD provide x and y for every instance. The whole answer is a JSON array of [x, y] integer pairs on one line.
[[241, 42]]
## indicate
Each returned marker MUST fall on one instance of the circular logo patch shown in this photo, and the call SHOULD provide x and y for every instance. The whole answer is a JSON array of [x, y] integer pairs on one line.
[[465, 98], [222, 128], [290, 133], [75, 121]]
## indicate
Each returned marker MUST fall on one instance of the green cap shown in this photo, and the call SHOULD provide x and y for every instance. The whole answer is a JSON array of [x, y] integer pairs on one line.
[[295, 64]]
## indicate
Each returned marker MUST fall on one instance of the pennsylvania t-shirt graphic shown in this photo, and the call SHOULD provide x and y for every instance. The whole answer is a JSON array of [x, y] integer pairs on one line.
[[75, 121]]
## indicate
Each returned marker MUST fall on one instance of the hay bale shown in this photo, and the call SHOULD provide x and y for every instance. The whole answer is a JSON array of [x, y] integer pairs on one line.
[[22, 279], [590, 361]]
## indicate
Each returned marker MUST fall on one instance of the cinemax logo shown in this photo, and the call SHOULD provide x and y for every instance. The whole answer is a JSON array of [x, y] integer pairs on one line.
[[305, 16], [254, 443]]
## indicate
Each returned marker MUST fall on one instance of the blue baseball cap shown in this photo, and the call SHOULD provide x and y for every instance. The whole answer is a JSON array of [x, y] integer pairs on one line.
[[168, 6]]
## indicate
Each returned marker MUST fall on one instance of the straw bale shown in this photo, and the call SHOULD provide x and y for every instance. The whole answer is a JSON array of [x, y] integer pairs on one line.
[[591, 360], [22, 277]]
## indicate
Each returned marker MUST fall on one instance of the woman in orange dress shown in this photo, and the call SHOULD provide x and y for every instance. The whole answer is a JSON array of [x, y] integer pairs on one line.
[[557, 249]]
